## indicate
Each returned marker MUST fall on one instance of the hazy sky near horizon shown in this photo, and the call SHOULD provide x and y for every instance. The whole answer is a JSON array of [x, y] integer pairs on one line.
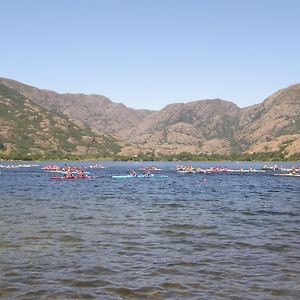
[[150, 53]]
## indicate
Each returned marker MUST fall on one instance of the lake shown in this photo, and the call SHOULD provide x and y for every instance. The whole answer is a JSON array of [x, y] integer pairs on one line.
[[185, 236]]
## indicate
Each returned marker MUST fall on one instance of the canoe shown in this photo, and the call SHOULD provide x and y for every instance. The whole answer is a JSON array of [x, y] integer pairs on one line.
[[139, 176], [75, 172], [245, 171], [229, 171], [72, 178], [288, 175]]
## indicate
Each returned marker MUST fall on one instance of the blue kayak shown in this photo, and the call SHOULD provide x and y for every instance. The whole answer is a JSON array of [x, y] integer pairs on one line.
[[138, 176]]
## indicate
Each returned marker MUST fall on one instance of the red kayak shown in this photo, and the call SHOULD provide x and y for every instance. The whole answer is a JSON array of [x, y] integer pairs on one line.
[[72, 177]]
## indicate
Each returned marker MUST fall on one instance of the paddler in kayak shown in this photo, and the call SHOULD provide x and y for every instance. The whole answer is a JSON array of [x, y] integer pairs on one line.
[[81, 174], [133, 173], [69, 174], [147, 173]]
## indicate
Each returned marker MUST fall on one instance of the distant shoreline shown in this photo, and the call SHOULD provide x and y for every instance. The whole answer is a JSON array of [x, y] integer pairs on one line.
[[259, 158]]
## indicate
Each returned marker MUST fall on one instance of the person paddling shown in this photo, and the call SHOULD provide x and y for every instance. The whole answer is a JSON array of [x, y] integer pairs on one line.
[[69, 174], [81, 174], [133, 173], [147, 173]]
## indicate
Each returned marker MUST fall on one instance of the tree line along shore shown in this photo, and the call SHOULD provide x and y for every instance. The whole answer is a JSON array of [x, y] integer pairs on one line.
[[183, 156]]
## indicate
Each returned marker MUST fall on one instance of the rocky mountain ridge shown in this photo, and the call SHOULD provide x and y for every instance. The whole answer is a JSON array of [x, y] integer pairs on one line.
[[206, 126], [95, 110], [30, 131]]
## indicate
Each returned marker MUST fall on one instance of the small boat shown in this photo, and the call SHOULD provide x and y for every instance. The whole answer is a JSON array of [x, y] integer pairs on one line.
[[225, 170], [75, 172], [245, 171], [151, 169], [72, 177], [50, 167], [96, 166], [271, 168], [138, 176], [186, 171], [288, 175]]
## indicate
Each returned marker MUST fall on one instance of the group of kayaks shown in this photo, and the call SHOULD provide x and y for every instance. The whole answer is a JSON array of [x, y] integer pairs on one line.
[[18, 166], [138, 176], [75, 173], [69, 173], [72, 177], [190, 169], [288, 172]]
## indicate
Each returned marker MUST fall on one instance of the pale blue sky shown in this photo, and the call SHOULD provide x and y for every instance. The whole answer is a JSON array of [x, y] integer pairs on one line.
[[149, 53]]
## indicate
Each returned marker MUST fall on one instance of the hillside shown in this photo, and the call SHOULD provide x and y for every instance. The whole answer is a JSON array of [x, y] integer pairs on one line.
[[221, 127], [274, 125], [200, 127], [28, 130], [100, 113], [206, 126]]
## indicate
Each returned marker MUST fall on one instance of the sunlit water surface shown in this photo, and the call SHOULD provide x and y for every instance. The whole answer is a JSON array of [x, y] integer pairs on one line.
[[232, 236]]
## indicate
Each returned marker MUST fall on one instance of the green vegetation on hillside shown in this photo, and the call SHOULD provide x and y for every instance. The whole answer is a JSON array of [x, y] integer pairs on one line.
[[185, 156], [34, 125], [29, 132]]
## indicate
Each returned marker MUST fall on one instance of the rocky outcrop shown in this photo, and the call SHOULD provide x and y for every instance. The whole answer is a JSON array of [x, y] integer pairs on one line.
[[274, 125]]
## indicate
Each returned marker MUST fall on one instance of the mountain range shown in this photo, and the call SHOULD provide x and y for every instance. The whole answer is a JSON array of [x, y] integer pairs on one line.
[[42, 122]]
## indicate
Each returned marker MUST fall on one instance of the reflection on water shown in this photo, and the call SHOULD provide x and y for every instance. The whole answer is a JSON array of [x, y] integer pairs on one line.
[[234, 236]]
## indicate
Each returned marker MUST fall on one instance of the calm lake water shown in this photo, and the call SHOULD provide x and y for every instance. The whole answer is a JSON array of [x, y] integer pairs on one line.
[[234, 236]]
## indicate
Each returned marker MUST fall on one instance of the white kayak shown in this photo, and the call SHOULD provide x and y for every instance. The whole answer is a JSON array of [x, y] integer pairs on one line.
[[139, 176]]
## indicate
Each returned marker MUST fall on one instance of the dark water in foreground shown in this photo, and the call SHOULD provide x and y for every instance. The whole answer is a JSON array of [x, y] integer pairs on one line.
[[234, 237]]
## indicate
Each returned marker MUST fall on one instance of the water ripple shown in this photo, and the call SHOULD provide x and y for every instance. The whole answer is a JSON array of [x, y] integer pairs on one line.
[[234, 237]]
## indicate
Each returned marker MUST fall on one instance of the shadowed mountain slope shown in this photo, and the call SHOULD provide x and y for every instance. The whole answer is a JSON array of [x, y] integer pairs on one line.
[[97, 111], [29, 130]]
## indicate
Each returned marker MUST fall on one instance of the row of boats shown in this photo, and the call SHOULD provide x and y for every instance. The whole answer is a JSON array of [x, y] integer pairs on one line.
[[58, 169], [79, 173], [74, 172], [68, 172], [190, 169], [279, 168], [18, 166]]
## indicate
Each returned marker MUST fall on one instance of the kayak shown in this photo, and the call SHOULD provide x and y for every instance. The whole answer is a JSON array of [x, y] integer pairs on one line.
[[245, 171], [138, 176], [75, 172], [229, 171], [288, 175], [72, 178]]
